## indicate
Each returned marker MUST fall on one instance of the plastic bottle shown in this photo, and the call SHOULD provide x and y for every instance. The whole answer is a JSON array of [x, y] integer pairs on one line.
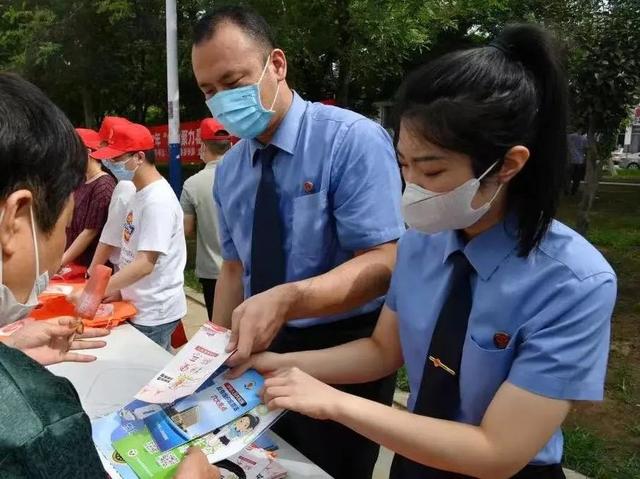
[[91, 297]]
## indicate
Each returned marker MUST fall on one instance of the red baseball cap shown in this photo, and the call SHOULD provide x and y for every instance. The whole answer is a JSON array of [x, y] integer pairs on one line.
[[125, 138], [90, 138], [107, 125], [213, 130]]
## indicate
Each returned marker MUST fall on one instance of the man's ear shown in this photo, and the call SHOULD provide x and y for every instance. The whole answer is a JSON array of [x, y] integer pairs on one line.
[[279, 61], [9, 225]]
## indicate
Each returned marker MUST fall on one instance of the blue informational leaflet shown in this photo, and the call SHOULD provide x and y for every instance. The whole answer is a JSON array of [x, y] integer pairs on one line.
[[148, 438], [217, 402]]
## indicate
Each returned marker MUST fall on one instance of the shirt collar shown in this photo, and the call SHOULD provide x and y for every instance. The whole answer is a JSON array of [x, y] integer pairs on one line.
[[286, 136], [488, 250], [212, 164]]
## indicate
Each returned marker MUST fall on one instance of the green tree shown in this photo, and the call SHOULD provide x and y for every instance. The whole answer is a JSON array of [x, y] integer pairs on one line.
[[346, 49], [92, 57], [604, 78]]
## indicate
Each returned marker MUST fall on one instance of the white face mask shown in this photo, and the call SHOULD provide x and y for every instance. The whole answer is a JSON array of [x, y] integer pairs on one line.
[[432, 212], [10, 309]]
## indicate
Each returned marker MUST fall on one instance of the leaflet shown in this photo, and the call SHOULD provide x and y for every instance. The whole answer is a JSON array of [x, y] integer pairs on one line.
[[148, 437], [191, 367], [140, 452], [255, 462], [217, 402]]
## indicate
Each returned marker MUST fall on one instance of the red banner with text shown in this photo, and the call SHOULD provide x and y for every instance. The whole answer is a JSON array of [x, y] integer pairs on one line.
[[189, 142]]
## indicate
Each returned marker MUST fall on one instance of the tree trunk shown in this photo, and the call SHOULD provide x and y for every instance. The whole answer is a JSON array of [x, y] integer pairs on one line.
[[592, 179], [611, 167], [344, 80], [87, 106]]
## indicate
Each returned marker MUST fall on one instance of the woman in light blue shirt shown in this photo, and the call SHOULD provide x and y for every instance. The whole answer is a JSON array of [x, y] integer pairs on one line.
[[500, 313]]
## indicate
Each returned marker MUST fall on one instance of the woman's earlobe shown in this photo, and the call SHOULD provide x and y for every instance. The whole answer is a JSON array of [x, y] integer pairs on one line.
[[514, 160]]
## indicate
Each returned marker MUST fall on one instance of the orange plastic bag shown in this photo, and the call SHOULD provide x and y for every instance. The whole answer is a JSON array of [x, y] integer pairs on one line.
[[109, 315]]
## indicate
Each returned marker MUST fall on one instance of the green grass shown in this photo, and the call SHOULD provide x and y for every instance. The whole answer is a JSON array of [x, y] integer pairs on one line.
[[589, 455], [621, 384], [624, 176], [629, 172], [402, 380], [584, 452], [191, 280]]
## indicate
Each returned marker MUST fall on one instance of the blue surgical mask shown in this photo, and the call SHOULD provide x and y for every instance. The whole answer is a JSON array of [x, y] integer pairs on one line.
[[240, 110], [120, 170]]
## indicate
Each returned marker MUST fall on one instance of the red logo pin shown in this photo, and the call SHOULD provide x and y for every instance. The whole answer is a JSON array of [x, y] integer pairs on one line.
[[308, 187], [501, 339]]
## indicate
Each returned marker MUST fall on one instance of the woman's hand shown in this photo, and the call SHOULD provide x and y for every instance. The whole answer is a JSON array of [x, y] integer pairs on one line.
[[50, 342], [195, 465], [296, 391]]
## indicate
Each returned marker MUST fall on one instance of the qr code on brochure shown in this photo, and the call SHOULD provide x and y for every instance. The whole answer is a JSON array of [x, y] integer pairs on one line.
[[151, 447], [168, 460]]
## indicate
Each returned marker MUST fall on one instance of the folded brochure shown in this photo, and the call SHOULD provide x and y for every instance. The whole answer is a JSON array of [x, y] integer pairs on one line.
[[217, 402], [205, 410], [192, 366], [252, 462], [136, 450]]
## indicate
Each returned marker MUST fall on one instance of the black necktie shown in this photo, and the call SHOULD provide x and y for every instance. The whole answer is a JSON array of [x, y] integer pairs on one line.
[[267, 250], [439, 394]]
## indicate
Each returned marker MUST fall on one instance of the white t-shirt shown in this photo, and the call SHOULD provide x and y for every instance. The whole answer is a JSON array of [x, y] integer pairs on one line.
[[112, 231], [154, 222]]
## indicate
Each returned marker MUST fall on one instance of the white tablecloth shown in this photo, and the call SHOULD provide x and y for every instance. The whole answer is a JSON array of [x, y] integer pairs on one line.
[[128, 362]]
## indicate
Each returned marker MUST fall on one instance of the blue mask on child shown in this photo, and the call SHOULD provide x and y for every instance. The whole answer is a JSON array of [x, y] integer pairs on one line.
[[240, 110], [119, 170]]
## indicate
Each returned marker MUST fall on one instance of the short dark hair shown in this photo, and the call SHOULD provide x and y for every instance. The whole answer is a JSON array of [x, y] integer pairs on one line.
[[253, 420], [150, 156], [39, 149], [217, 147], [486, 100], [247, 19]]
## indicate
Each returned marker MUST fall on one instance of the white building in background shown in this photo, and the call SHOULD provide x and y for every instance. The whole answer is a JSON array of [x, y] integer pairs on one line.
[[632, 134], [627, 154]]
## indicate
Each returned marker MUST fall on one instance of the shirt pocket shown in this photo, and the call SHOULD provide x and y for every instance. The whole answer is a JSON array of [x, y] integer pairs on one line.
[[311, 226], [483, 370]]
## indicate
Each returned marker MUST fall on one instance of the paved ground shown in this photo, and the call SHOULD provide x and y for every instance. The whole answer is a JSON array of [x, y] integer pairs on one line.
[[197, 315]]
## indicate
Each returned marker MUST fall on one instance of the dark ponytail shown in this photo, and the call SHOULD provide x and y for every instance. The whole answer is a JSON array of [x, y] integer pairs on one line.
[[486, 100]]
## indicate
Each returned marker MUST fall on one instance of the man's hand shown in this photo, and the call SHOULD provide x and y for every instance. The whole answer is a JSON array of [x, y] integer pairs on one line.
[[257, 320], [265, 363], [50, 342], [196, 466]]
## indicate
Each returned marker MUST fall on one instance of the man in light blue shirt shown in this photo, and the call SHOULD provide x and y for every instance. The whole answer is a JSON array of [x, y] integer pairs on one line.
[[317, 190]]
